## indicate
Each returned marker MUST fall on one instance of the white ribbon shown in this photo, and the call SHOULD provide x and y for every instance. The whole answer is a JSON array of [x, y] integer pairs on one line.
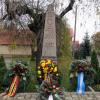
[[50, 97]]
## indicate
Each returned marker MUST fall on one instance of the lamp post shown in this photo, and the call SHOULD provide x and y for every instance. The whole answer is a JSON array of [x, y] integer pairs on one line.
[[75, 32], [75, 24]]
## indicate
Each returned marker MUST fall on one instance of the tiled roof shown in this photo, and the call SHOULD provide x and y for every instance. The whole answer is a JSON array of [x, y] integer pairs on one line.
[[21, 37]]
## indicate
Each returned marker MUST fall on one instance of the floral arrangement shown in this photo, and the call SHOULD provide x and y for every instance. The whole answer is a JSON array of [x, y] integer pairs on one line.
[[78, 66], [19, 73], [46, 66], [19, 69], [50, 87], [49, 77]]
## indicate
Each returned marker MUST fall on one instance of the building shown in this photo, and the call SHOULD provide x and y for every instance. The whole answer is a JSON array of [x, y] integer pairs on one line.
[[15, 45], [76, 45]]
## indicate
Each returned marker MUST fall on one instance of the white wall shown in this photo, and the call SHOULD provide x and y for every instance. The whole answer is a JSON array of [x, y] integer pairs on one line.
[[11, 54], [20, 50]]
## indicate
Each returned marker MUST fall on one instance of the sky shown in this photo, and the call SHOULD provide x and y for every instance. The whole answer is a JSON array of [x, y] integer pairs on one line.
[[88, 19]]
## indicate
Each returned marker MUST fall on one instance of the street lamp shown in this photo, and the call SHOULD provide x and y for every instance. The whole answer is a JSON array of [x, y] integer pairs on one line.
[[75, 32]]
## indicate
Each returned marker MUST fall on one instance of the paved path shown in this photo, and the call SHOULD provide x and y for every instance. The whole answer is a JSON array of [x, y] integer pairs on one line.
[[68, 96]]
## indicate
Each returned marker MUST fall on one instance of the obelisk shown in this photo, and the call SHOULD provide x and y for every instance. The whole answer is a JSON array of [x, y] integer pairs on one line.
[[49, 38]]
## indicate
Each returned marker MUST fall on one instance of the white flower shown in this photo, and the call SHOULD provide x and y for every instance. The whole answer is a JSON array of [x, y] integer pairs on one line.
[[71, 75], [24, 78]]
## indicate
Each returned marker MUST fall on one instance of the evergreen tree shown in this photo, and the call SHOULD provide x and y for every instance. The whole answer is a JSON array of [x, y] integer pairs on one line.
[[77, 54], [95, 65], [2, 68], [82, 51], [94, 60], [85, 47]]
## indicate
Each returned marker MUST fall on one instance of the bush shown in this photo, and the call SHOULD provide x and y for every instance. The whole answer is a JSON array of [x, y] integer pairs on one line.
[[95, 65], [2, 72]]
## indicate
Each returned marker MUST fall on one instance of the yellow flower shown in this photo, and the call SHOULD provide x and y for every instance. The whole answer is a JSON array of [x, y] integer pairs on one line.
[[48, 61], [38, 67], [43, 64], [52, 65], [42, 61], [51, 68], [55, 69], [45, 70], [39, 72]]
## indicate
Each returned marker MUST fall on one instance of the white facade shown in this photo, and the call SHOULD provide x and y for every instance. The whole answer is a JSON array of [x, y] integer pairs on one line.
[[10, 54]]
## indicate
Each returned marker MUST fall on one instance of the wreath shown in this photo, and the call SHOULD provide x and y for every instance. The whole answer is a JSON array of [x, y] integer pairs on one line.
[[47, 66], [84, 66]]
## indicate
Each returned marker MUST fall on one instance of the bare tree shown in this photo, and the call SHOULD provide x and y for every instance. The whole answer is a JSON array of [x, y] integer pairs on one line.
[[35, 11]]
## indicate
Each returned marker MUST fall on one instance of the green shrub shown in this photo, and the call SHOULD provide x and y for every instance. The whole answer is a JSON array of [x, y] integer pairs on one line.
[[2, 72]]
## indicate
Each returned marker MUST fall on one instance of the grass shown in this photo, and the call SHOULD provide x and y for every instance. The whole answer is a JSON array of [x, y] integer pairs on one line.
[[63, 64]]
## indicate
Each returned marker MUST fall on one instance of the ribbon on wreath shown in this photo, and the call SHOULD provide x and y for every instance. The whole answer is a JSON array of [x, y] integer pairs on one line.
[[80, 83]]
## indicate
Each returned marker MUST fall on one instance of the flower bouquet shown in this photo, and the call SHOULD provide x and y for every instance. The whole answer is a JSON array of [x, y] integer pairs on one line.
[[49, 77], [19, 72], [81, 66]]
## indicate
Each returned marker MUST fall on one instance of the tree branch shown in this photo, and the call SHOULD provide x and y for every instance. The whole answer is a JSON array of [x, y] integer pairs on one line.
[[70, 6], [3, 18]]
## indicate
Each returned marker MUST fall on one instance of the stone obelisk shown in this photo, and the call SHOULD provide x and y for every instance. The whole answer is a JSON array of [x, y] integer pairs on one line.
[[49, 38]]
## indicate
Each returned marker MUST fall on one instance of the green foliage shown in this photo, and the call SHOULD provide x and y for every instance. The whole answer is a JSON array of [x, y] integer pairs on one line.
[[31, 86], [32, 82], [64, 64], [77, 54], [82, 51], [63, 39], [95, 65], [81, 66], [2, 71], [2, 62], [94, 60], [46, 89], [85, 48], [7, 78], [63, 51], [27, 85], [87, 45]]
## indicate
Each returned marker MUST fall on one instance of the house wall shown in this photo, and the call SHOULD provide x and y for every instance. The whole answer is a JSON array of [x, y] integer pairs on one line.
[[12, 60], [11, 55], [19, 50]]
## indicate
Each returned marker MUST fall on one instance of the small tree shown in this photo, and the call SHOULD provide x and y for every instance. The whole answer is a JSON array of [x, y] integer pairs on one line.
[[77, 54], [2, 67], [82, 51], [94, 60], [2, 71], [95, 65], [85, 47]]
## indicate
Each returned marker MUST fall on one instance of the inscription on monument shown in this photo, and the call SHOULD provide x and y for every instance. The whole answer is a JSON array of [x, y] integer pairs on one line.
[[49, 40]]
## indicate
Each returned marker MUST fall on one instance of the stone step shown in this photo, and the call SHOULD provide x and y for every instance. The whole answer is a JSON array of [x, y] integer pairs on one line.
[[68, 96]]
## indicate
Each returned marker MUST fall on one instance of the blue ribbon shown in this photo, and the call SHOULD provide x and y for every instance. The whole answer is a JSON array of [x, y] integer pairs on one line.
[[80, 83]]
